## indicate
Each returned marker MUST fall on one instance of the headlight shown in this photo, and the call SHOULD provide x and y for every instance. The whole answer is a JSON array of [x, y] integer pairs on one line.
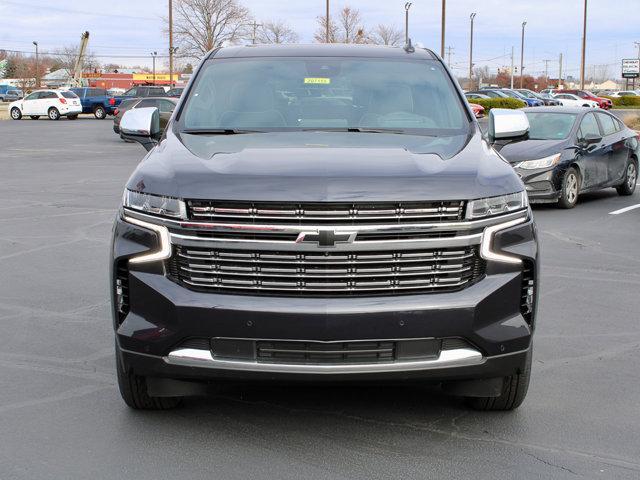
[[545, 162], [155, 204], [486, 207]]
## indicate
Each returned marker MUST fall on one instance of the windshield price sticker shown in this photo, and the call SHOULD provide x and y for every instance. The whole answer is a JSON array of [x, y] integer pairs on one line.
[[317, 81]]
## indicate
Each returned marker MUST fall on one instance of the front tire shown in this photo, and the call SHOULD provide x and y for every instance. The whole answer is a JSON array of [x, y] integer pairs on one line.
[[570, 189], [100, 113], [16, 114], [630, 179], [133, 389], [53, 114], [513, 393]]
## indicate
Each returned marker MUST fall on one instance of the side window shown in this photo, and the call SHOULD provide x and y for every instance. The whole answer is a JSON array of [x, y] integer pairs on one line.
[[582, 95], [589, 125], [48, 95], [148, 102], [166, 106], [98, 92], [132, 92], [33, 96], [608, 124], [143, 92]]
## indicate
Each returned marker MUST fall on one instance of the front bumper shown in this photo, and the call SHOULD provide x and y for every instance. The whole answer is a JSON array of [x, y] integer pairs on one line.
[[541, 185], [162, 315]]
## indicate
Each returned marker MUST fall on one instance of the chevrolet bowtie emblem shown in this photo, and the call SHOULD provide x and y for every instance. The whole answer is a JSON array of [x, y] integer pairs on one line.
[[326, 238]]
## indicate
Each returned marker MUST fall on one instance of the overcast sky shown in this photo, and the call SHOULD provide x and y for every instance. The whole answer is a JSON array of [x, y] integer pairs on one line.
[[134, 27]]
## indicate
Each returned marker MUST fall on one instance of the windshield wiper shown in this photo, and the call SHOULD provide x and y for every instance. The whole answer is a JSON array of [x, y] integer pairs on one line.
[[219, 131]]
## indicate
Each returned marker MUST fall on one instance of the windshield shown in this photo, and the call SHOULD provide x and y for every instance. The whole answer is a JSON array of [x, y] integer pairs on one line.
[[296, 93], [550, 126]]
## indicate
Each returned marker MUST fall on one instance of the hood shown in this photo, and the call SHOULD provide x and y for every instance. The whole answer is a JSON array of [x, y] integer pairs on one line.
[[324, 167], [533, 149]]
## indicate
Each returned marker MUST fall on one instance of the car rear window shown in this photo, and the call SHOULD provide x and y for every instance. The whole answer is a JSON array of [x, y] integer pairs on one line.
[[69, 95], [125, 104]]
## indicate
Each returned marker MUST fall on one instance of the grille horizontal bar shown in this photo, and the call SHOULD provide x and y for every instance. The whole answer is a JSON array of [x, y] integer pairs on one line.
[[328, 272], [325, 213]]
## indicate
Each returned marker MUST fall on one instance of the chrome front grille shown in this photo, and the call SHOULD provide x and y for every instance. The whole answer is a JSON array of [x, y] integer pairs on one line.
[[325, 213], [325, 272]]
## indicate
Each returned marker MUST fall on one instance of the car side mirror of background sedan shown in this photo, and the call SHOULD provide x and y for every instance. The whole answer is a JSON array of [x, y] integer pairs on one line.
[[507, 126], [141, 125]]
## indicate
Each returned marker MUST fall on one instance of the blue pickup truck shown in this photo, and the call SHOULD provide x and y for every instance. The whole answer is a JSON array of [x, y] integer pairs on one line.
[[96, 101]]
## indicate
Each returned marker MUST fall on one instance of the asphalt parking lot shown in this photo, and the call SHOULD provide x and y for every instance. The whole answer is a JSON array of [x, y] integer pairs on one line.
[[61, 415]]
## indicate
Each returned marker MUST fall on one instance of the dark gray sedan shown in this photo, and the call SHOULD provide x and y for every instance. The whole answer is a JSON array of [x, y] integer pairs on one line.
[[574, 150]]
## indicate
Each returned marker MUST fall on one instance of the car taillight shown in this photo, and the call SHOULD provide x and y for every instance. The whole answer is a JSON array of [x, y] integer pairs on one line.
[[63, 100], [112, 101]]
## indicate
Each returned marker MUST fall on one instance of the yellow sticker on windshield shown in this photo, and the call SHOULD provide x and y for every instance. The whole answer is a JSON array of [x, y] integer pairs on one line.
[[318, 81]]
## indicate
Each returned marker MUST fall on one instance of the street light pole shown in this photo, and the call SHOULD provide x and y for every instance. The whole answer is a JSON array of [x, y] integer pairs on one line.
[[407, 6], [37, 66], [171, 49], [522, 56], [442, 30], [584, 45], [472, 17], [153, 55]]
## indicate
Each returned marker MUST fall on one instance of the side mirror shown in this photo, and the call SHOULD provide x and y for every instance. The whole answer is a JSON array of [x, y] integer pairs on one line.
[[507, 124], [591, 138], [141, 125]]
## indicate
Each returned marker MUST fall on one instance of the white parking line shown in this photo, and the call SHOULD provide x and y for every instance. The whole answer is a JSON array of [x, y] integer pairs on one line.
[[623, 210]]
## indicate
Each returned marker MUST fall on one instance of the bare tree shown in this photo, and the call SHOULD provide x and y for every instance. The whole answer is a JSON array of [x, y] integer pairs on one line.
[[350, 29], [387, 35], [277, 31], [67, 56], [202, 25], [321, 33]]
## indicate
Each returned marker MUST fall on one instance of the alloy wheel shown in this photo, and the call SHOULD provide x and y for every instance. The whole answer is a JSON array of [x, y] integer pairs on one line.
[[632, 175], [572, 188]]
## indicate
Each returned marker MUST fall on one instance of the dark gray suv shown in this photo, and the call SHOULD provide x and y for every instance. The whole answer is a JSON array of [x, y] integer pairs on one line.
[[323, 213]]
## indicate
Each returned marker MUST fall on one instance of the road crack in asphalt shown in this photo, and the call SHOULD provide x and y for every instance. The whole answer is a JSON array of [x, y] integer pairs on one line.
[[597, 457], [546, 462]]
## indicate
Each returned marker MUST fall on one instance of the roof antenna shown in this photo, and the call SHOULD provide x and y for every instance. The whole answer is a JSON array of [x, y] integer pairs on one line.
[[408, 47]]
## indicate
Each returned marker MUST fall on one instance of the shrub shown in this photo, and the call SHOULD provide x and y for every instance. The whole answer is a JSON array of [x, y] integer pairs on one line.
[[489, 103], [626, 102]]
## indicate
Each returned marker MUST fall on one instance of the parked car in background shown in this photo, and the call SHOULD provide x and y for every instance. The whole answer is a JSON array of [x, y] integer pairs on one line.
[[476, 96], [51, 103], [96, 101], [12, 95], [115, 92], [488, 93], [604, 103], [478, 110], [547, 101], [571, 100], [145, 91], [175, 92], [574, 150], [165, 106], [531, 102], [625, 93]]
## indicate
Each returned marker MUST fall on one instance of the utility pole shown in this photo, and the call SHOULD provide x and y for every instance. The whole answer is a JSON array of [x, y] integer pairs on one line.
[[444, 21], [407, 6], [546, 68], [472, 17], [171, 49], [153, 55], [37, 66], [560, 73], [511, 67], [584, 46], [326, 26], [449, 52], [522, 56], [255, 26]]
